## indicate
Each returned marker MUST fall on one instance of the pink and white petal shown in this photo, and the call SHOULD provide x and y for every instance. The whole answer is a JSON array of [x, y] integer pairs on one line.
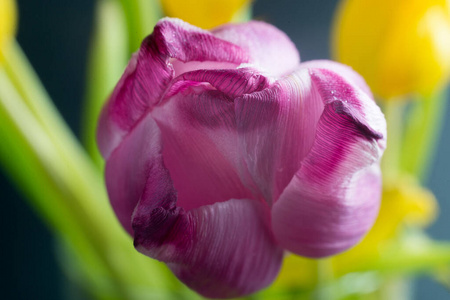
[[351, 100], [333, 199], [277, 129], [129, 166], [269, 49], [343, 70], [221, 251], [186, 42], [200, 145], [233, 83], [150, 71]]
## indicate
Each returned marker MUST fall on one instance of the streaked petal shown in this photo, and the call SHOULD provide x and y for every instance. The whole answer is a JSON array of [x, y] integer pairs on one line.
[[174, 47], [207, 248], [333, 199], [200, 145], [128, 167], [269, 49], [343, 70], [223, 250], [276, 130], [232, 83]]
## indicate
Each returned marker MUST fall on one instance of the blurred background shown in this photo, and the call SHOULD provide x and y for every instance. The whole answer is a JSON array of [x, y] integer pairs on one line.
[[55, 35]]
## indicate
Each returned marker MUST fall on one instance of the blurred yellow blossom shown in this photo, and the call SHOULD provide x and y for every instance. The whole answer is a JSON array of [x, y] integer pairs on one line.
[[296, 273], [8, 16], [205, 13], [399, 46]]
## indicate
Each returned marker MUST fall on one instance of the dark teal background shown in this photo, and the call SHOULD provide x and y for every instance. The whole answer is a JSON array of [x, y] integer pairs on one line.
[[55, 36]]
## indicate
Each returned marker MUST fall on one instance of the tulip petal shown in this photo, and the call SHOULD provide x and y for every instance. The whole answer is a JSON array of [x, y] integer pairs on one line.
[[200, 146], [269, 48], [127, 169], [277, 130], [174, 47], [233, 83], [223, 250], [333, 199], [343, 70]]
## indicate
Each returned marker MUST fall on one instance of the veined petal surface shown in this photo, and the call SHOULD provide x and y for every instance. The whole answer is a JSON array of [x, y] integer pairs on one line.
[[223, 250], [151, 70], [276, 131], [129, 166], [270, 50], [333, 199], [200, 146], [176, 47]]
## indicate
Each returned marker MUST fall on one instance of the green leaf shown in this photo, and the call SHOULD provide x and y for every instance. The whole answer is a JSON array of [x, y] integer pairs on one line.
[[107, 61], [141, 17]]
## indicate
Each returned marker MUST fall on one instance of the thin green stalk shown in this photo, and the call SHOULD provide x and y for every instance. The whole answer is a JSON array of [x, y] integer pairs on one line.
[[141, 17], [393, 111], [325, 278], [107, 61], [423, 127]]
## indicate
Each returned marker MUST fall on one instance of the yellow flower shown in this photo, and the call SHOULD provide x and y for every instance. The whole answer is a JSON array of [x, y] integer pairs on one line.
[[296, 273], [205, 13], [8, 16], [398, 46]]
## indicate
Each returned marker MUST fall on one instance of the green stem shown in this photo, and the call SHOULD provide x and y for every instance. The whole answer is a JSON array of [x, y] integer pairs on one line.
[[423, 128], [107, 60], [325, 277], [393, 111], [29, 88], [141, 17]]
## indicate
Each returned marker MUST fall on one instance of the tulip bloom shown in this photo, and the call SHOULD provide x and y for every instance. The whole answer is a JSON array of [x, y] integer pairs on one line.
[[223, 151], [399, 46]]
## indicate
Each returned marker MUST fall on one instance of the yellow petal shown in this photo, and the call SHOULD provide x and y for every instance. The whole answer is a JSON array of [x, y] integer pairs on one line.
[[399, 46], [204, 13], [7, 20]]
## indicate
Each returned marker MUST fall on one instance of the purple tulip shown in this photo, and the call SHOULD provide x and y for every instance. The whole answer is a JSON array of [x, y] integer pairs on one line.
[[223, 151]]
